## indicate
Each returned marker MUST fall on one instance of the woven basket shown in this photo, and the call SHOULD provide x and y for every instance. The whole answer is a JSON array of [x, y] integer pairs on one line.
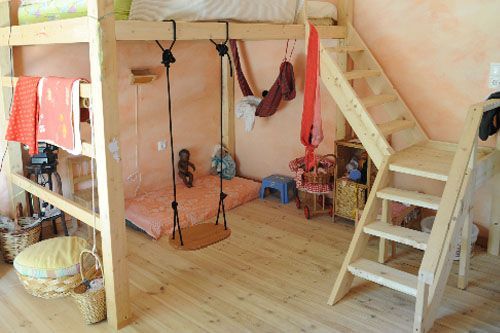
[[92, 304], [326, 162], [14, 242], [49, 287], [349, 198]]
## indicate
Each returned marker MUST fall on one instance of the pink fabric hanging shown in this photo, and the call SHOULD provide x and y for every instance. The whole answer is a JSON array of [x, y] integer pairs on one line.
[[312, 130]]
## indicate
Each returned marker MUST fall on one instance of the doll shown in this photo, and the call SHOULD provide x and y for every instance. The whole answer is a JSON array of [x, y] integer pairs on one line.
[[226, 165], [183, 167]]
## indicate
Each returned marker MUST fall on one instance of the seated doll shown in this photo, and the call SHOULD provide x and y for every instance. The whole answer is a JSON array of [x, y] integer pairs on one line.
[[226, 165], [183, 167]]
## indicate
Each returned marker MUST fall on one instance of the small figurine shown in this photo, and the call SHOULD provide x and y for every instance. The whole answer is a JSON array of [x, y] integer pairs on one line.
[[183, 166], [224, 165]]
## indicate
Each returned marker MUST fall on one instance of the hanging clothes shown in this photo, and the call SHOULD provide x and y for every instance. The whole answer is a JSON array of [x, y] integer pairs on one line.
[[312, 130], [490, 121], [23, 120], [282, 89]]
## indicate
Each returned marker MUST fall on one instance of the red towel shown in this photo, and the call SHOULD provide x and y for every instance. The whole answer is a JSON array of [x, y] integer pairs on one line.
[[59, 113], [23, 120], [312, 130]]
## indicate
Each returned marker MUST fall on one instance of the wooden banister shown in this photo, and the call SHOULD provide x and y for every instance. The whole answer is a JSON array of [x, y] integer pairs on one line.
[[451, 195]]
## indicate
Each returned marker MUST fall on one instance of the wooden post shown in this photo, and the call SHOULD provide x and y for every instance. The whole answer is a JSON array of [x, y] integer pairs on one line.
[[13, 155], [345, 9], [228, 130], [494, 234], [465, 246], [383, 246], [102, 52], [421, 304]]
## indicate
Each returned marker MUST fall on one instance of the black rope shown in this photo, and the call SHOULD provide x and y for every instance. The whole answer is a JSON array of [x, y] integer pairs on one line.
[[223, 51], [168, 59]]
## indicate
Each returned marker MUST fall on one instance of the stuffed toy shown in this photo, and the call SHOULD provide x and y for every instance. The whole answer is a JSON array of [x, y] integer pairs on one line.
[[226, 165]]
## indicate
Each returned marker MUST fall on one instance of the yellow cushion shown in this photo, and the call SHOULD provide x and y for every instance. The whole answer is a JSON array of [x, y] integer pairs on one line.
[[53, 257]]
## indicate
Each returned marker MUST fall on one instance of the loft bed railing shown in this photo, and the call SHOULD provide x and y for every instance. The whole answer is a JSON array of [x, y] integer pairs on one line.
[[101, 35]]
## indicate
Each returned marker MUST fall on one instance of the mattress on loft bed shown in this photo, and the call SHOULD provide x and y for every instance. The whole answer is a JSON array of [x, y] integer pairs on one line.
[[152, 211], [269, 11], [35, 11]]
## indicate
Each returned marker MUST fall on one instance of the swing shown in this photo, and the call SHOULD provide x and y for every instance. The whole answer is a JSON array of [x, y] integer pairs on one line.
[[282, 89], [205, 234]]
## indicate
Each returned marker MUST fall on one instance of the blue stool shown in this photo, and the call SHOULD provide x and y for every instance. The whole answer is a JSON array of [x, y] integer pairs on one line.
[[280, 183]]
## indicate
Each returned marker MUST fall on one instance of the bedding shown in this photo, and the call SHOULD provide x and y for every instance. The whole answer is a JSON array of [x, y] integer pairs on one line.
[[152, 211], [35, 11], [275, 11]]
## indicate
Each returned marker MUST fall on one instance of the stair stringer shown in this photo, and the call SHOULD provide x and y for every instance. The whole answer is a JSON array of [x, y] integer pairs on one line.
[[353, 109], [382, 85]]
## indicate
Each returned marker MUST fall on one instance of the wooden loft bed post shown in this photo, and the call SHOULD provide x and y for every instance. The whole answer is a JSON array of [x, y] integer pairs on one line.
[[13, 159], [345, 14], [494, 234], [103, 72]]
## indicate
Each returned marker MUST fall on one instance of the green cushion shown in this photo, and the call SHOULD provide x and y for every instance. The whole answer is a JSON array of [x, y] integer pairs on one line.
[[50, 10]]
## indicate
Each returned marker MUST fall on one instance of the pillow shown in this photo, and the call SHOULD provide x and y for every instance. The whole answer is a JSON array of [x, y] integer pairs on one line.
[[276, 11], [51, 258]]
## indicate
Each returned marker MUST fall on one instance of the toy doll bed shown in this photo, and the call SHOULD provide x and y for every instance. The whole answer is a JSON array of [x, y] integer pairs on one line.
[[276, 11], [152, 211]]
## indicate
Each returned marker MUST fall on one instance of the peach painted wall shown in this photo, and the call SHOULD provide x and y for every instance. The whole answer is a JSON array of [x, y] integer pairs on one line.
[[436, 52]]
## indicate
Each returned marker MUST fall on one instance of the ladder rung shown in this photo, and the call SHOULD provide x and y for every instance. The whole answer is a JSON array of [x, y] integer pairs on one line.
[[413, 238], [385, 276], [376, 100], [344, 49], [395, 126], [361, 73], [410, 197]]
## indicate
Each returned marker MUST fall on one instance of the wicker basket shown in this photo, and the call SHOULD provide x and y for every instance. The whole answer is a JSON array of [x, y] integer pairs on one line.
[[13, 242], [349, 198], [49, 288], [92, 304]]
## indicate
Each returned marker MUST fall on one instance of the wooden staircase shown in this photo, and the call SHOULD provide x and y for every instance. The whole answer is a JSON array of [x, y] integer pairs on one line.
[[417, 157]]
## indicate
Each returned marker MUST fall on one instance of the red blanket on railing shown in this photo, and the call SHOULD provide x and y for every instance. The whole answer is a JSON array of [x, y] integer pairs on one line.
[[23, 120]]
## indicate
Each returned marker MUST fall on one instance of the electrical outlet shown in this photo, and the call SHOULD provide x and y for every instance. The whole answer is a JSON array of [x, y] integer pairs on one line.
[[494, 81], [162, 145]]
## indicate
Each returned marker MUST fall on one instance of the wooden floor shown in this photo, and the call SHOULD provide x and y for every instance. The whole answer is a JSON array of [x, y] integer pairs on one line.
[[273, 274]]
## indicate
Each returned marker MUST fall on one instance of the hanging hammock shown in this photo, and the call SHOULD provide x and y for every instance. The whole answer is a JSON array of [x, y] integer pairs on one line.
[[282, 89]]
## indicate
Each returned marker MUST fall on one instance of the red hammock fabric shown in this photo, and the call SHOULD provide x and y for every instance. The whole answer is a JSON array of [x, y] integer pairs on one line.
[[312, 131], [283, 87], [23, 120]]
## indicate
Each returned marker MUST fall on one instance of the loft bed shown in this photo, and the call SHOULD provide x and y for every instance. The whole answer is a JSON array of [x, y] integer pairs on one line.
[[102, 32]]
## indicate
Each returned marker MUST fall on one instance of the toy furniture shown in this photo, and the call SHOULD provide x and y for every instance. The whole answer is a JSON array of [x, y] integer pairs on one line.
[[283, 184]]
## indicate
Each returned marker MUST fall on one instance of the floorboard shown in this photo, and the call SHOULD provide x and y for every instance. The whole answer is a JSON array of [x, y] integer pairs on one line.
[[273, 274]]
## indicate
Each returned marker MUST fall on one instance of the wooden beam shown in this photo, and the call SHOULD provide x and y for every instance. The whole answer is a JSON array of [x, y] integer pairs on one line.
[[104, 77], [73, 30], [345, 10], [143, 31], [79, 212], [13, 155], [7, 81]]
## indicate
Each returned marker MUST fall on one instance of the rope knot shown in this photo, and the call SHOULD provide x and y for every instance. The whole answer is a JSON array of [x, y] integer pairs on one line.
[[223, 195], [175, 204], [168, 58], [222, 49]]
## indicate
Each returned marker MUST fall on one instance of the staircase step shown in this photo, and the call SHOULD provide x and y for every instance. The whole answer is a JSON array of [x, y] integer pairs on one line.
[[376, 100], [423, 161], [361, 73], [413, 238], [395, 126], [410, 197], [385, 276], [344, 49]]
